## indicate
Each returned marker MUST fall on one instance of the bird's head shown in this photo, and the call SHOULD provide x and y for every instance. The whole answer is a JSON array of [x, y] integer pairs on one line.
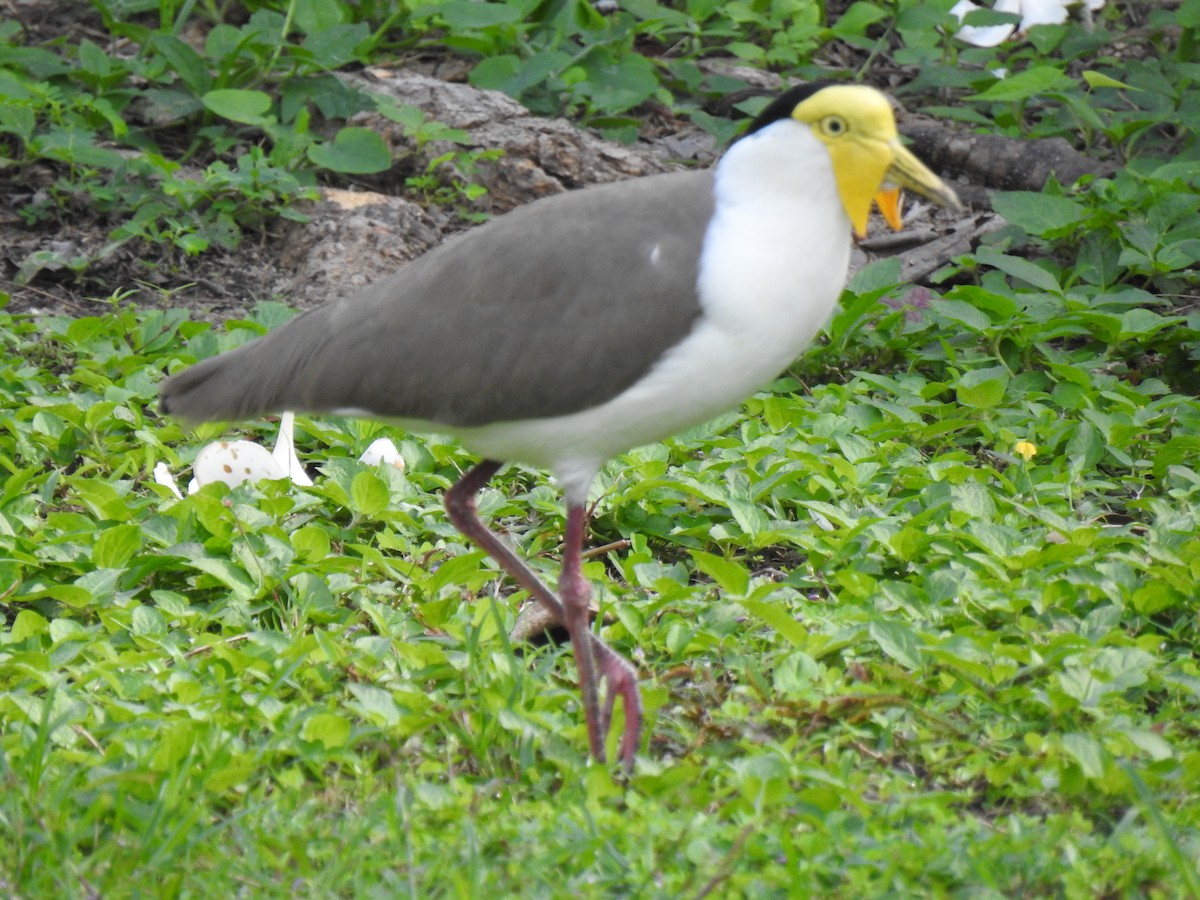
[[857, 126]]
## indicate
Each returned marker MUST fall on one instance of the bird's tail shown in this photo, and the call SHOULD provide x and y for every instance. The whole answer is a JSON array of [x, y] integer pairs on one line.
[[267, 375]]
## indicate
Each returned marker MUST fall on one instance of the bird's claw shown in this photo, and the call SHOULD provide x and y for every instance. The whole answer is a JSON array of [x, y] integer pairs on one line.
[[620, 679]]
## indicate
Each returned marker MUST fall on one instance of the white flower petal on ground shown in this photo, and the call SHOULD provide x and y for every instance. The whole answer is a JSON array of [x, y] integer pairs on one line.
[[162, 475], [285, 452], [1042, 12], [984, 35], [382, 451], [1032, 12]]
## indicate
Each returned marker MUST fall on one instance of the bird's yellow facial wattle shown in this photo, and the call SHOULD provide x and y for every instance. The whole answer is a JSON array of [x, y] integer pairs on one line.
[[889, 202], [870, 164]]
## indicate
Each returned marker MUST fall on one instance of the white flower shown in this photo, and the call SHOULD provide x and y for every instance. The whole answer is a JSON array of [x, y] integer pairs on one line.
[[162, 475], [382, 451], [1032, 12], [285, 452], [234, 462]]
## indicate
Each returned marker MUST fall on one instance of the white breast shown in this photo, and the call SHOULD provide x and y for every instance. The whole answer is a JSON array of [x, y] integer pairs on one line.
[[774, 262]]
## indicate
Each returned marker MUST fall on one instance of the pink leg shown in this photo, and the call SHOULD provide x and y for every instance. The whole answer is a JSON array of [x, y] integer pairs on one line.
[[575, 594], [592, 655]]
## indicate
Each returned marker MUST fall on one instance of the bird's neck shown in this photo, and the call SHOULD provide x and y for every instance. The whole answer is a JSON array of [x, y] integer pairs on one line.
[[777, 248], [784, 165]]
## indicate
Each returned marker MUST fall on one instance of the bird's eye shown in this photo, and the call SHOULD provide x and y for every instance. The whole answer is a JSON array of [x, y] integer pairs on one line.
[[833, 126]]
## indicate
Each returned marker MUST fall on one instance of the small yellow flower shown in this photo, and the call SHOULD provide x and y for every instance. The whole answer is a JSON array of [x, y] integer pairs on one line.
[[1026, 450]]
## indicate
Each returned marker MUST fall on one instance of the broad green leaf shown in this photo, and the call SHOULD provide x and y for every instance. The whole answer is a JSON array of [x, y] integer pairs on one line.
[[679, 637], [1038, 213], [375, 704], [330, 729], [731, 576], [11, 88], [75, 146], [997, 540], [354, 151], [229, 778], [982, 388], [237, 105], [28, 624], [71, 595], [746, 50], [987, 18], [369, 495], [311, 543], [780, 618], [462, 15], [101, 584], [1144, 323], [313, 597], [795, 673], [857, 584], [1155, 596], [898, 641], [855, 447], [963, 313], [68, 630], [749, 516], [460, 571], [907, 543], [621, 84], [172, 603], [882, 274], [515, 76], [1178, 255], [1084, 449], [337, 46], [498, 73], [1019, 268], [93, 60], [1152, 744], [165, 105], [411, 117], [148, 621], [1033, 82], [855, 20], [184, 62], [1123, 667], [1181, 450], [17, 119], [1000, 308], [974, 499], [115, 546], [1086, 751], [315, 16], [102, 499], [224, 570]]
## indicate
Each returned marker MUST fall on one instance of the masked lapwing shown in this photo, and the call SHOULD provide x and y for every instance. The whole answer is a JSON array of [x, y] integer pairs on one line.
[[582, 325]]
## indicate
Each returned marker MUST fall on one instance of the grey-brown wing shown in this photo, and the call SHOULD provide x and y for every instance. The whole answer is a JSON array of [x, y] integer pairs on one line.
[[552, 308]]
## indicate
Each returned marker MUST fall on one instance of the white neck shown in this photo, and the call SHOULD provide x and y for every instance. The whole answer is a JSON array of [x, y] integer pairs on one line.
[[784, 160], [778, 248]]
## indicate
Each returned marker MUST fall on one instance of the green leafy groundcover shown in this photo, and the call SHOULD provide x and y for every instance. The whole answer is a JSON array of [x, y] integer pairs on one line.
[[921, 619]]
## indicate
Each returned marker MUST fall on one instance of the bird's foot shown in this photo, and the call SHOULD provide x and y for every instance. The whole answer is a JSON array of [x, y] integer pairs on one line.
[[620, 678]]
